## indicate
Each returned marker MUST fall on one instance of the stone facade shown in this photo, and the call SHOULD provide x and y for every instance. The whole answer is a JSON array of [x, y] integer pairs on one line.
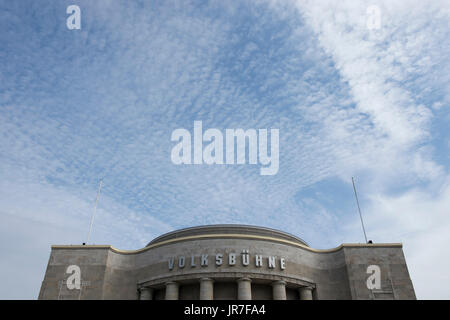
[[228, 262]]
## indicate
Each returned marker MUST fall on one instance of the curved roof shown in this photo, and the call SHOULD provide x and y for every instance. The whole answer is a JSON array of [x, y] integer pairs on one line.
[[227, 229]]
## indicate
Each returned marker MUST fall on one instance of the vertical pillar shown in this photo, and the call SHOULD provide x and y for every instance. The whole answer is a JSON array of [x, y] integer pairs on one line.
[[244, 289], [146, 294], [206, 289], [305, 293], [279, 290], [171, 291]]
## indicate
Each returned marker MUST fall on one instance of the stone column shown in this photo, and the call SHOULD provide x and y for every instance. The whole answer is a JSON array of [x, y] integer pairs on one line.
[[171, 291], [146, 294], [244, 289], [305, 293], [206, 289], [279, 290]]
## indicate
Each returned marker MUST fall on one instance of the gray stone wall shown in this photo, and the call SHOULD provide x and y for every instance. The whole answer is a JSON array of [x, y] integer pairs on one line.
[[92, 263], [340, 273], [395, 280]]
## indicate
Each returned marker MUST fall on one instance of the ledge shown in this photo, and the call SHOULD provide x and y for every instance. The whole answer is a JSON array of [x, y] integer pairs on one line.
[[229, 236]]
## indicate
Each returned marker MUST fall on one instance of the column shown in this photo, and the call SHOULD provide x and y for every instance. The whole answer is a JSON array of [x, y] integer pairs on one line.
[[279, 290], [305, 293], [146, 294], [244, 289], [171, 291], [206, 289]]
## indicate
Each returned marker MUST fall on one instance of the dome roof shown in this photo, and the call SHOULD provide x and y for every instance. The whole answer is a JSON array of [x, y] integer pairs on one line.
[[227, 229]]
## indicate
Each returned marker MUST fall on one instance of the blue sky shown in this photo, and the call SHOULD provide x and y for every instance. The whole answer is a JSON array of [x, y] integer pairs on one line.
[[77, 105]]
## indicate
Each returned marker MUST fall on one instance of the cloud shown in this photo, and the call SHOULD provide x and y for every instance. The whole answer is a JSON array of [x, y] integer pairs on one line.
[[103, 101], [380, 67], [419, 218], [385, 70]]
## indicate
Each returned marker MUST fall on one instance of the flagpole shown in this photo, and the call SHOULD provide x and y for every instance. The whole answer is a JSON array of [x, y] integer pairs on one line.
[[359, 210], [95, 210]]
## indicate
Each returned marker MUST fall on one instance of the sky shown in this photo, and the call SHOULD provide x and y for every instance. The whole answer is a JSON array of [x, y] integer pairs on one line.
[[350, 98]]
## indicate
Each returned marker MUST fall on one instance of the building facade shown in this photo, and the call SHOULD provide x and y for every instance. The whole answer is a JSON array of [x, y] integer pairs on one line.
[[228, 262]]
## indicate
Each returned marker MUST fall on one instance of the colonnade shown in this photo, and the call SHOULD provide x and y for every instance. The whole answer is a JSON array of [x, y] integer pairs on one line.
[[244, 290]]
